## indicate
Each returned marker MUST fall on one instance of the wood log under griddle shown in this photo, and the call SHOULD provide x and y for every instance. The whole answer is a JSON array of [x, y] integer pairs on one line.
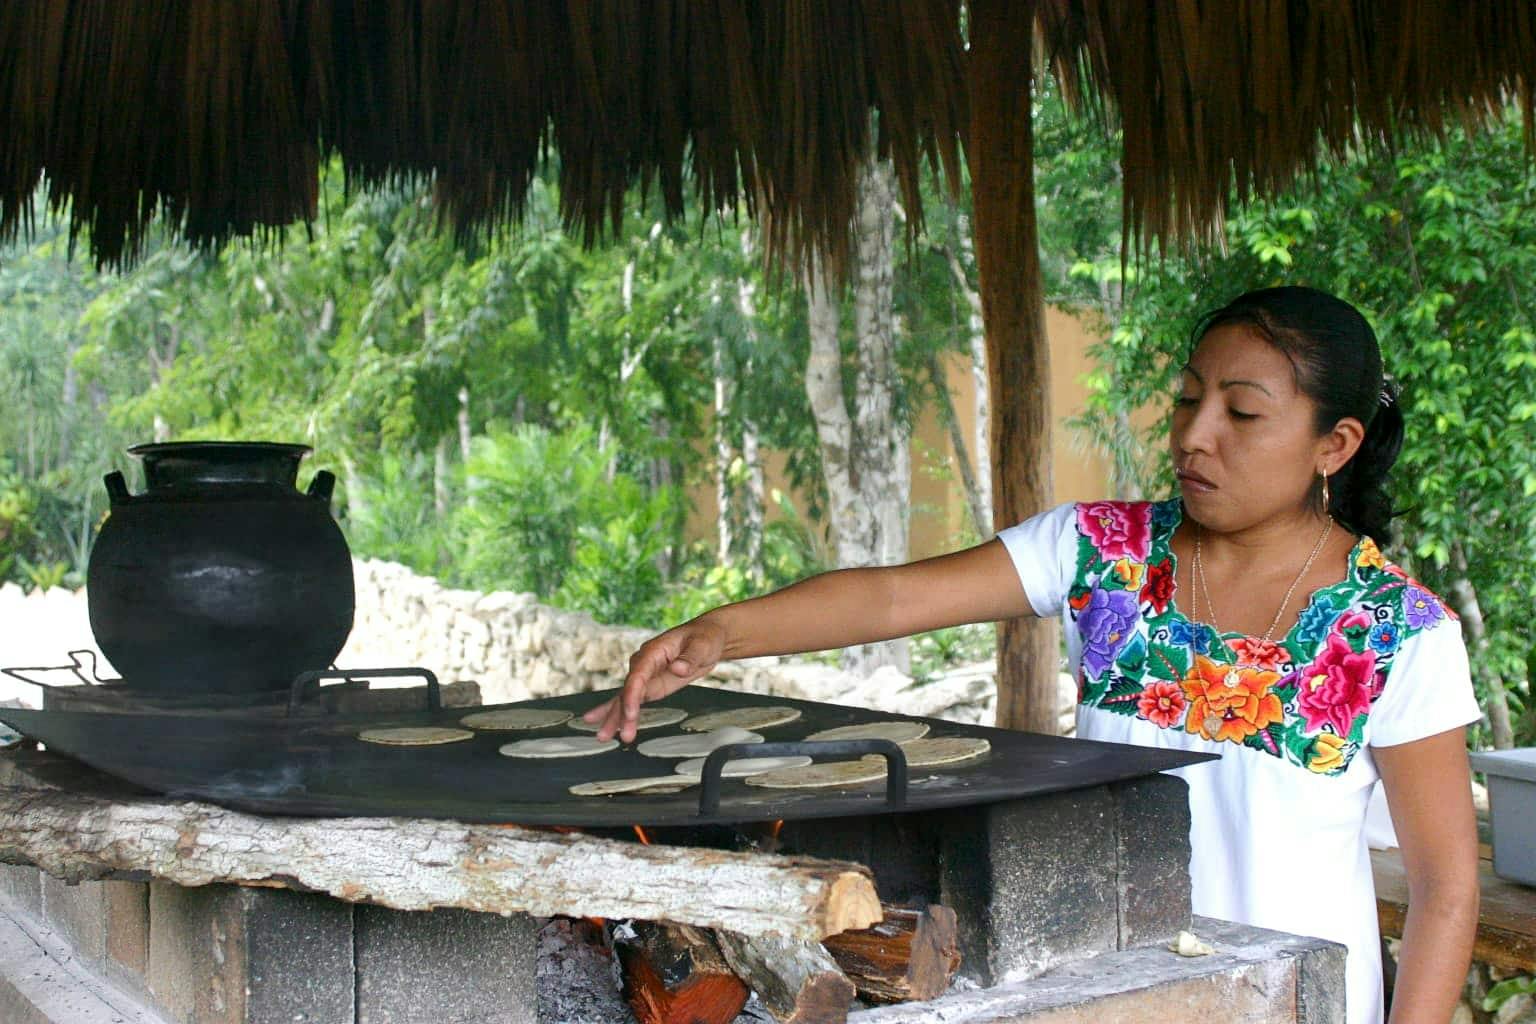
[[798, 982], [910, 955], [676, 974]]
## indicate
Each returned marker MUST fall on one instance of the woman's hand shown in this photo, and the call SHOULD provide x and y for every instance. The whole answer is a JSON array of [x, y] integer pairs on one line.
[[663, 665]]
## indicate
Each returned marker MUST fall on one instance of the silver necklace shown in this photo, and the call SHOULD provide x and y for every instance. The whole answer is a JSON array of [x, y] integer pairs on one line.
[[1284, 601]]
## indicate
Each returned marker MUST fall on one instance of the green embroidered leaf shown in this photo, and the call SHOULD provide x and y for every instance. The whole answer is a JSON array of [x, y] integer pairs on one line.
[[1122, 698]]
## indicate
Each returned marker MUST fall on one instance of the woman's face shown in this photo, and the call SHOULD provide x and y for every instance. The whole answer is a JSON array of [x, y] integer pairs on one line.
[[1243, 438]]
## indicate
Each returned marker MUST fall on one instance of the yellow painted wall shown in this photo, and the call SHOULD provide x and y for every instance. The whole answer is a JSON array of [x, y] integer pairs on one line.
[[939, 515]]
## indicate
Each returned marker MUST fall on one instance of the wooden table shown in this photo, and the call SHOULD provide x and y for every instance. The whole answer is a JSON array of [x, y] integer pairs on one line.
[[1506, 923]]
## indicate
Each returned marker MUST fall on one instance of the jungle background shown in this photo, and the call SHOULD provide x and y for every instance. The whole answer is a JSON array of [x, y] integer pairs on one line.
[[521, 412]]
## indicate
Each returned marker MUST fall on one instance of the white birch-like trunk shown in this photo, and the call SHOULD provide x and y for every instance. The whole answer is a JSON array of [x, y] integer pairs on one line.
[[979, 493], [752, 495], [865, 457], [440, 478], [724, 535]]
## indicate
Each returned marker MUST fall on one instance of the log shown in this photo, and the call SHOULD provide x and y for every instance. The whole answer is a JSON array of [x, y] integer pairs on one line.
[[675, 974], [910, 955], [419, 864], [798, 982]]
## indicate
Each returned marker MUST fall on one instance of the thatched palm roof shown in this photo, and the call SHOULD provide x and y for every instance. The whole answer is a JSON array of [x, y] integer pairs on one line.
[[221, 113]]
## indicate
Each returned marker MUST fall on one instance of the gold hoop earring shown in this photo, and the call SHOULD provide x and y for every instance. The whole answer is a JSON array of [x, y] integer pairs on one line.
[[1327, 499]]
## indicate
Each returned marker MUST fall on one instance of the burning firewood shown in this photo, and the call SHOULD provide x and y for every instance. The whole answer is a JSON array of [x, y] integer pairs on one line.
[[798, 982], [910, 955], [675, 974]]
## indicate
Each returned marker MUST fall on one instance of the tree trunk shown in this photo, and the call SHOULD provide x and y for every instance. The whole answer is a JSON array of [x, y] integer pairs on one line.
[[724, 509], [752, 495], [440, 478], [882, 462], [1008, 267], [977, 337], [1463, 598], [464, 425], [981, 511]]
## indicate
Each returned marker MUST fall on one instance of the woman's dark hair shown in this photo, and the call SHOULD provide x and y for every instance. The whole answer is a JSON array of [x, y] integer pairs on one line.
[[1338, 365]]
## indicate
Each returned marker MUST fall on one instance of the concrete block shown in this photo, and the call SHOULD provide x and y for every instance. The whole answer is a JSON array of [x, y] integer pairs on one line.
[[229, 955], [1320, 983], [1152, 853], [1032, 881], [106, 923], [445, 966], [23, 886]]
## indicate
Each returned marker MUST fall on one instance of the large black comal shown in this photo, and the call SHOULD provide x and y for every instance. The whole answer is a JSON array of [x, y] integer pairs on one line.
[[221, 577]]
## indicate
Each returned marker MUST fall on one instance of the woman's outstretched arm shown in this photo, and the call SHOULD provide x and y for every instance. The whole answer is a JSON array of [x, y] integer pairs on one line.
[[834, 609]]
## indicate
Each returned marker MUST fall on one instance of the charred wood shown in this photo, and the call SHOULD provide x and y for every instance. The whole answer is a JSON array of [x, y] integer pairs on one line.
[[910, 955], [676, 974]]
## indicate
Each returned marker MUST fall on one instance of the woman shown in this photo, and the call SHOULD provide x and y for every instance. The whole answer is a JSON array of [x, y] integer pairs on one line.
[[1252, 617]]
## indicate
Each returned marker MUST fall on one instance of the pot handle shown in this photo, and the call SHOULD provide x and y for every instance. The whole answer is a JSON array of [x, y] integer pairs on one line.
[[302, 681], [321, 486], [895, 765], [117, 488]]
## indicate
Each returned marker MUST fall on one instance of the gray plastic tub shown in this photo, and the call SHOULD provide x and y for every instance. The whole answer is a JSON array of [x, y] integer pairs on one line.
[[1511, 778]]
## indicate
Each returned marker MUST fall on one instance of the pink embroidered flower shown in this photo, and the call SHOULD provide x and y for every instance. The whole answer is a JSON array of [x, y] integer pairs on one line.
[[1354, 620], [1117, 529], [1252, 652], [1337, 687], [1162, 704]]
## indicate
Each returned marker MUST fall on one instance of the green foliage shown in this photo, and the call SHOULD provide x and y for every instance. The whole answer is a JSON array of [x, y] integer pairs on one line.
[[1508, 989], [941, 649], [546, 514]]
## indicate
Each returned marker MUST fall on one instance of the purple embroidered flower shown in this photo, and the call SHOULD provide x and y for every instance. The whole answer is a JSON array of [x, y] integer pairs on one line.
[[1421, 608], [1107, 625]]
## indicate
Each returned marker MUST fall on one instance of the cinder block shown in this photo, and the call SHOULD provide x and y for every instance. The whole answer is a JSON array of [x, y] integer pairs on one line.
[[128, 927], [1320, 983], [445, 965], [1032, 881], [79, 912], [23, 886], [1152, 854], [231, 955]]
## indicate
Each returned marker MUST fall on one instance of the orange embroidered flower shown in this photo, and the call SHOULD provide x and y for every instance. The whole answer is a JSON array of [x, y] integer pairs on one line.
[[1227, 702], [1130, 573], [1370, 555]]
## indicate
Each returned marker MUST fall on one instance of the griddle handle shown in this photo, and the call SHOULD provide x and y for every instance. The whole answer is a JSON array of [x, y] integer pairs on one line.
[[302, 681], [714, 764]]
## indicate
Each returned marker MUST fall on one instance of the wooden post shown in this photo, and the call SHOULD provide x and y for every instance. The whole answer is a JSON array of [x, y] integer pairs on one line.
[[1018, 371]]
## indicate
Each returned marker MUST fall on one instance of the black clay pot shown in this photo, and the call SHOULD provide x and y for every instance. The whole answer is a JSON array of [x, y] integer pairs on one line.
[[221, 577]]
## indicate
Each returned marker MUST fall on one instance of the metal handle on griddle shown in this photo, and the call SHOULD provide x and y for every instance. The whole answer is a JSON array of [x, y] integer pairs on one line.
[[78, 668], [895, 764], [303, 679]]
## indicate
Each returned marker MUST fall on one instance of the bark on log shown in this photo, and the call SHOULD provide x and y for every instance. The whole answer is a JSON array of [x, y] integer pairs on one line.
[[798, 982], [910, 955], [675, 974], [416, 864]]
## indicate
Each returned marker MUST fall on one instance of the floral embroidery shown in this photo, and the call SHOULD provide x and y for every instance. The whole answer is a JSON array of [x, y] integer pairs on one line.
[[1117, 529], [1159, 588], [1162, 704], [1108, 622], [1327, 753], [1227, 703], [1305, 697], [1257, 653], [1337, 687], [1421, 607]]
